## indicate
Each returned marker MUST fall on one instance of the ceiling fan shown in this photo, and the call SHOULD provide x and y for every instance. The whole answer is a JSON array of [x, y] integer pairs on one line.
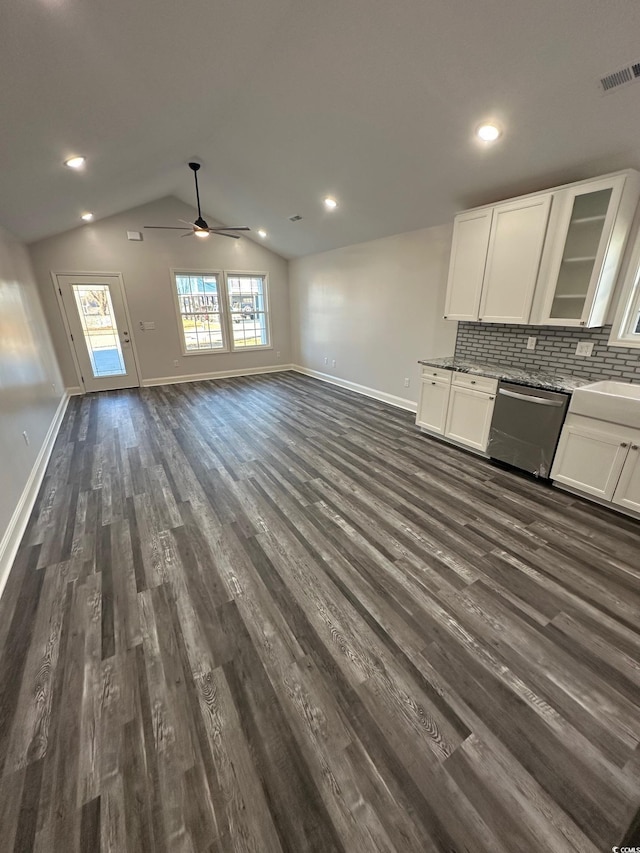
[[200, 227]]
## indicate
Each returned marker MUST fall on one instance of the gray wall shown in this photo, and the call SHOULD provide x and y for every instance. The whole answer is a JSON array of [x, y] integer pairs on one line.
[[375, 307], [555, 350], [30, 382], [103, 247]]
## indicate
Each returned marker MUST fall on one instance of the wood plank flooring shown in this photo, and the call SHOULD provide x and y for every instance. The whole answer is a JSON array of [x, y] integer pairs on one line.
[[266, 614]]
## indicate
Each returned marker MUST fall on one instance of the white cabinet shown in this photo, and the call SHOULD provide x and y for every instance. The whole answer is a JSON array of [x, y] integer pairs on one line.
[[590, 457], [627, 493], [550, 258], [469, 416], [457, 406], [515, 250], [432, 409], [600, 459], [589, 229], [466, 269]]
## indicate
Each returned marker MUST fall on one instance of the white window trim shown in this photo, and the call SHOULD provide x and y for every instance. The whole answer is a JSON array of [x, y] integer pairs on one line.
[[267, 302], [628, 303], [222, 296]]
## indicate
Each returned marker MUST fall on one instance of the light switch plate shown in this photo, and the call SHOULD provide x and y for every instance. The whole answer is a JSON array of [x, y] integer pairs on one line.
[[148, 325], [584, 348]]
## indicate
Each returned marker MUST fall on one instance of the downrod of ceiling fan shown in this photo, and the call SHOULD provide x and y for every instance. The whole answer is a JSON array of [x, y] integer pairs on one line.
[[199, 221]]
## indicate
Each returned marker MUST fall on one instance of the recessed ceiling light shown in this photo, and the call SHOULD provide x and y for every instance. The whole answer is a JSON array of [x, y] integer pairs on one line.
[[87, 216], [262, 233], [330, 203], [488, 132], [75, 162]]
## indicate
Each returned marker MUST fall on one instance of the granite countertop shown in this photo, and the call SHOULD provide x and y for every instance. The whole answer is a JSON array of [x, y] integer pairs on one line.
[[534, 378]]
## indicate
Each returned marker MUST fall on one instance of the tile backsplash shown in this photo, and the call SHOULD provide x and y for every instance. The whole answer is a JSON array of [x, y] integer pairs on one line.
[[555, 350]]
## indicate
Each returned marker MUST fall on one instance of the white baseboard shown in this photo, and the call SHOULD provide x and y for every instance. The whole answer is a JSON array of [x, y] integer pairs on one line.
[[74, 390], [400, 402], [15, 531], [219, 374]]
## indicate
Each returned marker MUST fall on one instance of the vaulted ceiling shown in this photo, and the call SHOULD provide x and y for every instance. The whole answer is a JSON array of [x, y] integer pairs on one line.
[[284, 102]]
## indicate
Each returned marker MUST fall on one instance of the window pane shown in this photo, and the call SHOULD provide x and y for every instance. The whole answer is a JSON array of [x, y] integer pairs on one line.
[[99, 328], [198, 299], [248, 306]]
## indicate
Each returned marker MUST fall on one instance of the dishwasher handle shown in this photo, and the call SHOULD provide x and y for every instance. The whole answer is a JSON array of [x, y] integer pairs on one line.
[[540, 401]]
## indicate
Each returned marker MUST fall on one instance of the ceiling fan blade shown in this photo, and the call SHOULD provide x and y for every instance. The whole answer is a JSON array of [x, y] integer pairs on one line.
[[231, 228], [188, 234], [222, 234], [167, 227], [190, 224]]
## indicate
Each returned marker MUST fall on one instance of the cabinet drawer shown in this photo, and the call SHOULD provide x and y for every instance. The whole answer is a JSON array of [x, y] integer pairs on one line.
[[477, 383], [440, 374]]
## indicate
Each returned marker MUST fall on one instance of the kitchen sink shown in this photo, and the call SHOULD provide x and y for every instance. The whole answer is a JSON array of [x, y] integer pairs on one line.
[[616, 402]]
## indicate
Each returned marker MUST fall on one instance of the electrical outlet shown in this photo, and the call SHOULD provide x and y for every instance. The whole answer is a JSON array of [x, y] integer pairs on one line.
[[406, 382], [176, 362], [326, 360], [278, 354], [333, 362], [531, 343], [25, 435], [584, 348]]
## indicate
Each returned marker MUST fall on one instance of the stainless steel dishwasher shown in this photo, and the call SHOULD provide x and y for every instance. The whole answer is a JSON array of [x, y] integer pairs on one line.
[[525, 427]]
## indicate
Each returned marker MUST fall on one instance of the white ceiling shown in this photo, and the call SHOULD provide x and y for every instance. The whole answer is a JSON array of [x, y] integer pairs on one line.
[[374, 101]]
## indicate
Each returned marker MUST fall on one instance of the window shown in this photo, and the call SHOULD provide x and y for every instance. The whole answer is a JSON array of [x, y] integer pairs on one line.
[[626, 326], [247, 299], [217, 313], [199, 310]]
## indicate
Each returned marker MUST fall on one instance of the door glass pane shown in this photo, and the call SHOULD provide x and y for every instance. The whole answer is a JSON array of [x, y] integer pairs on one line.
[[100, 329], [580, 250]]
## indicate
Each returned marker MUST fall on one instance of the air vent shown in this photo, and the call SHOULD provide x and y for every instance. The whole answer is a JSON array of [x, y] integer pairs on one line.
[[620, 78], [295, 218]]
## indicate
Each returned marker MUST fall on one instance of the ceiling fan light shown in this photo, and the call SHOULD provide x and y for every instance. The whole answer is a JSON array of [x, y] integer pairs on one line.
[[199, 232], [75, 162]]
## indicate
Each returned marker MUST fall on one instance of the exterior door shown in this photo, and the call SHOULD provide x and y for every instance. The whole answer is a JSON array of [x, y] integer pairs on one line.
[[98, 321]]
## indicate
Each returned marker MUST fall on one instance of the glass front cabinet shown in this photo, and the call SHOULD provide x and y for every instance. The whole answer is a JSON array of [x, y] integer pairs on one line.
[[588, 228]]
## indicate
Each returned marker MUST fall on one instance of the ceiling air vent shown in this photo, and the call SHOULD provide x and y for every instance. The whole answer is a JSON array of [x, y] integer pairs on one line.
[[295, 218], [620, 78]]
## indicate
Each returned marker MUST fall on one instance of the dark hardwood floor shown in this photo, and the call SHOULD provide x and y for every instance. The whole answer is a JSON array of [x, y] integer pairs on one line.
[[266, 614]]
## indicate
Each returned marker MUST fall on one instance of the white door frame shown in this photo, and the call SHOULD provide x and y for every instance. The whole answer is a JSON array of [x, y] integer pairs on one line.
[[65, 322]]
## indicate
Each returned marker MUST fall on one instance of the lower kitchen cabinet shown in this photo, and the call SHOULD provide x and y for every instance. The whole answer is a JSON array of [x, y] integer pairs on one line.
[[590, 458], [627, 493], [432, 410], [469, 417], [600, 459]]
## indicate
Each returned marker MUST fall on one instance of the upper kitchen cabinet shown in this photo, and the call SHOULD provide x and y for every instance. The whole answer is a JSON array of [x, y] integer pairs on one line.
[[516, 244], [550, 258], [587, 236], [466, 269]]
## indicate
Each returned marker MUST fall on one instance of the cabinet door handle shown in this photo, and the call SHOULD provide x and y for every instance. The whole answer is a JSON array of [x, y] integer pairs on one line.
[[473, 381], [492, 398], [624, 444], [634, 446], [433, 383]]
